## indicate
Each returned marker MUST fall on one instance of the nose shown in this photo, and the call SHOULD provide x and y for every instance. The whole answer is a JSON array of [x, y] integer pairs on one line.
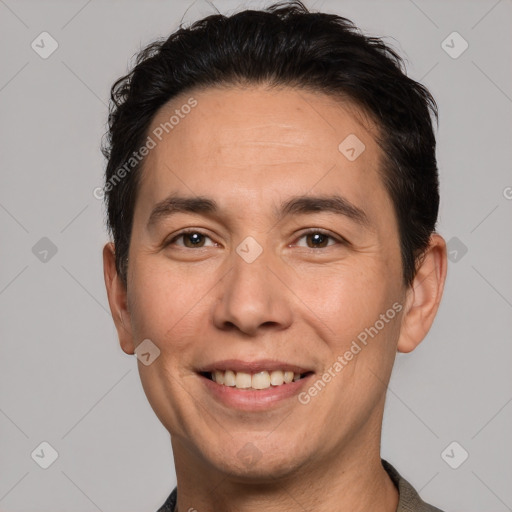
[[252, 298]]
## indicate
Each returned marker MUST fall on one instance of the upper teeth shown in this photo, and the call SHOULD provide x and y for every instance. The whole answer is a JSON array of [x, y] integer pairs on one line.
[[260, 380]]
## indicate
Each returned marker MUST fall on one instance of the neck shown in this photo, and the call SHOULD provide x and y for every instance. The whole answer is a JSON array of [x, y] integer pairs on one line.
[[354, 482]]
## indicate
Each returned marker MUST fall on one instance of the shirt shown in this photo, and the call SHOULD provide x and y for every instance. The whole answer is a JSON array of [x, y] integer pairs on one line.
[[408, 501]]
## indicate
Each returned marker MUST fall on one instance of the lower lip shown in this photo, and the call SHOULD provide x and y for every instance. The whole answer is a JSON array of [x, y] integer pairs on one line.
[[254, 400]]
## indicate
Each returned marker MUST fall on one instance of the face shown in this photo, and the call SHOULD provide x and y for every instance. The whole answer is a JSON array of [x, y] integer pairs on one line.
[[263, 242]]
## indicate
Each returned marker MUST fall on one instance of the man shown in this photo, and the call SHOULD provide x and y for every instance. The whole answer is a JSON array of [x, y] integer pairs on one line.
[[272, 194]]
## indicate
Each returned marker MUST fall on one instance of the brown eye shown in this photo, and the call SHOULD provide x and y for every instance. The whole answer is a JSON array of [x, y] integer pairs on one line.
[[316, 239], [191, 240]]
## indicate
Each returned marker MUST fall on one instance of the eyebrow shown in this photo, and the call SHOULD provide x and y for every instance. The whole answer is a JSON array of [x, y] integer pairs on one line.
[[332, 204], [296, 205], [179, 204]]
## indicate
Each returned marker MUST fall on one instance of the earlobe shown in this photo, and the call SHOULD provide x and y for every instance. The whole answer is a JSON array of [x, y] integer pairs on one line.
[[424, 296], [117, 299]]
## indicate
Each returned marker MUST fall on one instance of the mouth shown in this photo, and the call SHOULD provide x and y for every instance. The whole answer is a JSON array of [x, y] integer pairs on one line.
[[254, 386], [256, 381]]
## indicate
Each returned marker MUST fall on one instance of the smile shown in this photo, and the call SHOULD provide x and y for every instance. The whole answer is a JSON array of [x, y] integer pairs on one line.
[[254, 381]]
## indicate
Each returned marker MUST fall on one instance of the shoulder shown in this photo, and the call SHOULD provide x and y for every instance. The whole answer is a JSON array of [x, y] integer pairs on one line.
[[409, 500], [170, 502]]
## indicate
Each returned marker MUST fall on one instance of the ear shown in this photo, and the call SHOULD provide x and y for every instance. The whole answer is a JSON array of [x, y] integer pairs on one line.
[[424, 295], [117, 299]]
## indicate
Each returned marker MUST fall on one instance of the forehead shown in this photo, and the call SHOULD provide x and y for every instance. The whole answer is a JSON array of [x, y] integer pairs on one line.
[[258, 143]]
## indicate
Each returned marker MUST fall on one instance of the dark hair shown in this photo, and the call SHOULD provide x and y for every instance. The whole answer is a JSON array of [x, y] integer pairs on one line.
[[286, 45]]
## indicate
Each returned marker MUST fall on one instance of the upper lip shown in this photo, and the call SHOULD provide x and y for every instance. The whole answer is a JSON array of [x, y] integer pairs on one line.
[[237, 365]]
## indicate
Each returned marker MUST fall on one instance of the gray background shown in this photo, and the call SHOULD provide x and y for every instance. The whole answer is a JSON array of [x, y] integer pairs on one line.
[[63, 377]]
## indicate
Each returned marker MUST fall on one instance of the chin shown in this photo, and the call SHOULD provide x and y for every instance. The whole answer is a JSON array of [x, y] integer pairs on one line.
[[254, 463]]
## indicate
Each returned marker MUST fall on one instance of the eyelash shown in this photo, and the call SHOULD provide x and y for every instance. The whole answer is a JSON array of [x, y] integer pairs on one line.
[[311, 231]]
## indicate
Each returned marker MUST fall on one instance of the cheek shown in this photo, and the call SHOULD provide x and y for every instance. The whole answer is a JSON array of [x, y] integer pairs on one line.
[[345, 299], [166, 303]]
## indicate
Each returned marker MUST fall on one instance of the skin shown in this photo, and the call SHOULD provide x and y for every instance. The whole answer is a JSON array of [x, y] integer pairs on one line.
[[249, 150]]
